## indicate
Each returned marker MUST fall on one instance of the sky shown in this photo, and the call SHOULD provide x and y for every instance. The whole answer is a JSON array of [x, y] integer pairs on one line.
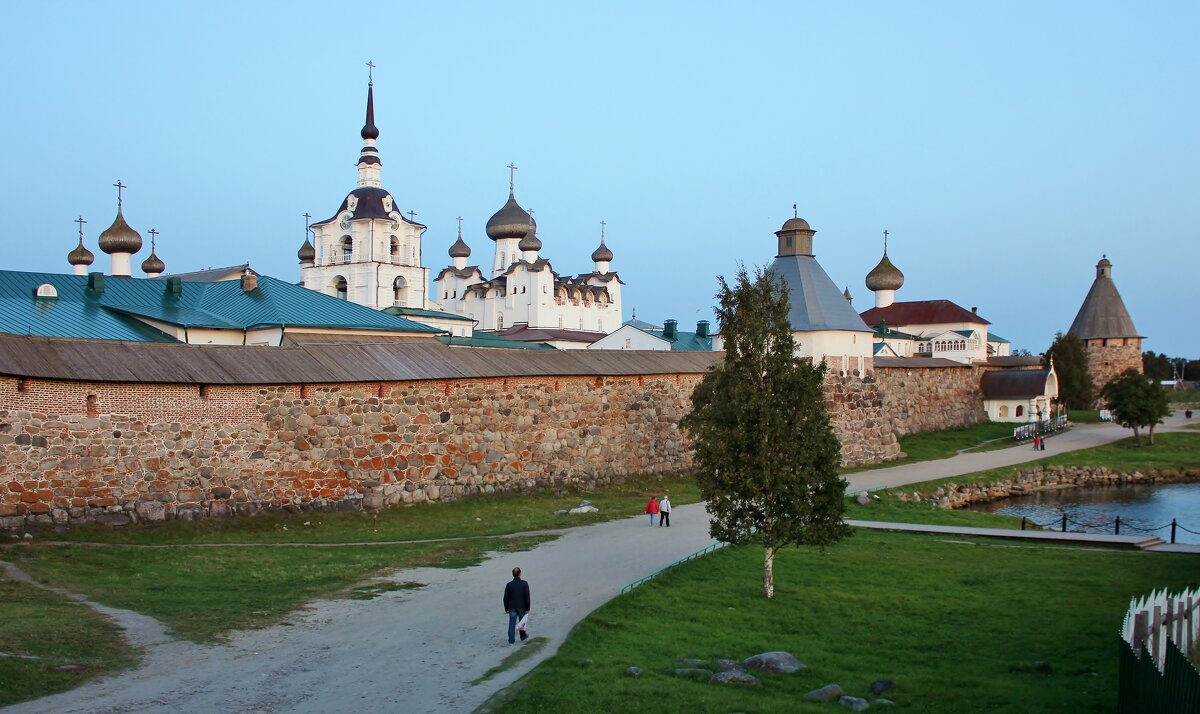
[[1004, 146]]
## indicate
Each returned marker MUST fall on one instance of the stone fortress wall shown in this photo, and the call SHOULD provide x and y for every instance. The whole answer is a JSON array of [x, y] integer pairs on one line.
[[1107, 361], [116, 453]]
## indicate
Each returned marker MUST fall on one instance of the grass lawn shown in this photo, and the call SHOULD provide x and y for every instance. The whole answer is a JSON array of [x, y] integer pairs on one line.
[[893, 510], [1180, 397], [40, 631], [929, 445], [202, 593], [956, 624], [1085, 416], [488, 516], [1171, 450]]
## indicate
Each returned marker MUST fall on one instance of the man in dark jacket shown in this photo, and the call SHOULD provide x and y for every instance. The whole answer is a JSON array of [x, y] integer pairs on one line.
[[516, 603]]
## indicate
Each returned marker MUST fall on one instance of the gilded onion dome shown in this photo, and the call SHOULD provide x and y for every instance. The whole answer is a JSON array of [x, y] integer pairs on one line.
[[120, 238], [80, 255], [602, 254], [460, 249], [885, 276], [307, 253], [511, 221], [153, 264]]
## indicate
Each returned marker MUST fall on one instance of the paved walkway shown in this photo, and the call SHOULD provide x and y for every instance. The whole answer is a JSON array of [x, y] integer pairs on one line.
[[419, 650], [1141, 542]]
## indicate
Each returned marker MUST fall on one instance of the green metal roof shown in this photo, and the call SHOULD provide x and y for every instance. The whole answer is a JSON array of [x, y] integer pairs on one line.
[[685, 341], [993, 337], [111, 314], [420, 312], [965, 333], [493, 341]]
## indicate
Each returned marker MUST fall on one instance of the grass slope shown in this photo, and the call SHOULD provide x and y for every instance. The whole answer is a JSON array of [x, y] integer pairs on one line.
[[476, 517], [40, 631], [203, 593], [930, 445], [957, 624]]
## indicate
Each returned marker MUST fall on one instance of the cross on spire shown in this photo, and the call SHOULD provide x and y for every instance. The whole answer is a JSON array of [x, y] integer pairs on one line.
[[80, 221], [370, 72], [412, 216], [885, 236], [153, 235], [119, 186], [307, 216], [602, 224], [795, 212], [459, 219], [512, 176]]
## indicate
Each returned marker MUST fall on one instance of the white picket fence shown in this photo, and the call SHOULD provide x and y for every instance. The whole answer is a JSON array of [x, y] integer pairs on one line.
[[1158, 619]]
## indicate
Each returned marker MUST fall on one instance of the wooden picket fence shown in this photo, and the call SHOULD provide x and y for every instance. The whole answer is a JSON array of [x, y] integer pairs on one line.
[[1159, 633]]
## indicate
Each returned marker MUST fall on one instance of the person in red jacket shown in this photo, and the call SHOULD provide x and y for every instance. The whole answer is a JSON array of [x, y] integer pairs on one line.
[[652, 509]]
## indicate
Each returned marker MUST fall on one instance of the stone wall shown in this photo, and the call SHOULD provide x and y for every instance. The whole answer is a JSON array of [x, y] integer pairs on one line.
[[76, 452], [191, 453], [1106, 362], [916, 400], [1044, 478]]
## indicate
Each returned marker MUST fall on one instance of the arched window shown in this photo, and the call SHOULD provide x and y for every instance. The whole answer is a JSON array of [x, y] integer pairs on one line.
[[347, 249], [500, 321], [502, 263], [1004, 410], [1020, 410], [341, 288], [400, 292], [395, 251]]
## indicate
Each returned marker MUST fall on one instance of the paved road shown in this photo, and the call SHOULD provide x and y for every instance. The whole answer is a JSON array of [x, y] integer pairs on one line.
[[419, 651]]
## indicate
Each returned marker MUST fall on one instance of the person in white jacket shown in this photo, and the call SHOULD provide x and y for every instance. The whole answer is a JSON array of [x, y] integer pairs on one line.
[[664, 512]]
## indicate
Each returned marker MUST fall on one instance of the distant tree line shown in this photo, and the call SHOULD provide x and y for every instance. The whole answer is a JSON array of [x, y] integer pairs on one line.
[[1160, 366]]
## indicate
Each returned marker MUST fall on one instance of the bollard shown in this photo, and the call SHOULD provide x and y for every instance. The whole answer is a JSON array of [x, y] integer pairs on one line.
[[1022, 522], [1172, 531], [1118, 531], [1064, 522]]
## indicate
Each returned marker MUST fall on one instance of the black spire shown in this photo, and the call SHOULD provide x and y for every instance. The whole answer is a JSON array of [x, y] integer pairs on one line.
[[369, 131]]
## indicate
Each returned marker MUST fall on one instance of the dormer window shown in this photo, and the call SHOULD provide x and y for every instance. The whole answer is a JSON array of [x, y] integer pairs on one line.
[[45, 291]]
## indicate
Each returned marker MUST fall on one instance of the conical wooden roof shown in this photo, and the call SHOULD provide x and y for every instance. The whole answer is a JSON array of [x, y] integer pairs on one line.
[[1103, 314]]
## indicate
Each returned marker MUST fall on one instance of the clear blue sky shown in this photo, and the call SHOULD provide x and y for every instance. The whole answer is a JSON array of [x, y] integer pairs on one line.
[[1005, 146]]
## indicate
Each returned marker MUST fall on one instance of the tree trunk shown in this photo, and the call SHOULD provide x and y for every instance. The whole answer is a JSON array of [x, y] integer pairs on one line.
[[1137, 436], [1150, 431], [769, 571]]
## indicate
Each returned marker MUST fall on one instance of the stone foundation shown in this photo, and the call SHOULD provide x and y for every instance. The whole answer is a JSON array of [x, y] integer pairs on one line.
[[1044, 478]]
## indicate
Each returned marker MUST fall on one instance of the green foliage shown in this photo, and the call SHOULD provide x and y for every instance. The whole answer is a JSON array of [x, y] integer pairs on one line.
[[1157, 366], [1075, 387], [953, 622], [1136, 402], [766, 457]]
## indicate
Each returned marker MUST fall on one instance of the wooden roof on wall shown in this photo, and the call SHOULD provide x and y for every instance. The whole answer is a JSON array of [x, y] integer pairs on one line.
[[384, 361]]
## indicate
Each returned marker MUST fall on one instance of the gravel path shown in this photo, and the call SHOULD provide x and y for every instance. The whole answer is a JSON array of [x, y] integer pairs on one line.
[[419, 650]]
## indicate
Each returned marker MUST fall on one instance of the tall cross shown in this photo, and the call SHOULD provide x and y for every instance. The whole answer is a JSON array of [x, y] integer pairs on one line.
[[119, 186], [602, 224], [412, 216], [512, 176], [153, 235], [307, 216], [795, 213], [885, 235], [80, 221], [370, 72], [459, 219]]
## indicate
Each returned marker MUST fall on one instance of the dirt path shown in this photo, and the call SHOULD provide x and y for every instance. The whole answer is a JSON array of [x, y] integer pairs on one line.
[[419, 650]]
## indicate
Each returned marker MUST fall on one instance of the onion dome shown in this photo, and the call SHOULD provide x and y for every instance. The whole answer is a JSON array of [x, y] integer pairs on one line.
[[307, 253], [460, 249], [885, 276], [530, 241], [602, 254], [81, 255], [369, 131], [120, 238], [796, 224], [153, 265], [511, 221]]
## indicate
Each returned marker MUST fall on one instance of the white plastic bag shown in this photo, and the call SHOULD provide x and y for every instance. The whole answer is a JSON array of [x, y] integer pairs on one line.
[[523, 623]]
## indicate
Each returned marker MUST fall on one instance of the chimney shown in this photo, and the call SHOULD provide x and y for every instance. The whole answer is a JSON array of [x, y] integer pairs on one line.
[[174, 287], [96, 282], [974, 311], [249, 282], [669, 332], [702, 328]]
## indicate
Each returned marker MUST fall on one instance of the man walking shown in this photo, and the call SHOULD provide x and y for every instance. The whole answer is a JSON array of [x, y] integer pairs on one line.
[[516, 604], [664, 512]]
